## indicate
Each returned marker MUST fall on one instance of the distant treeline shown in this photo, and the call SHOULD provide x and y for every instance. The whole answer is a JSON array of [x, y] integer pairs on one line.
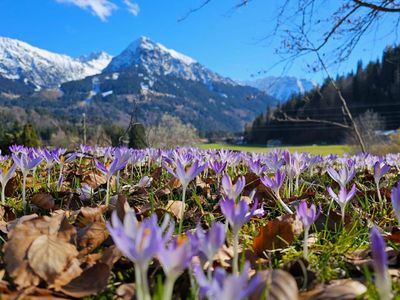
[[373, 87]]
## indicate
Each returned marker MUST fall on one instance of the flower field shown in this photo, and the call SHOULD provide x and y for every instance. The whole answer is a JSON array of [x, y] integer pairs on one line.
[[118, 223]]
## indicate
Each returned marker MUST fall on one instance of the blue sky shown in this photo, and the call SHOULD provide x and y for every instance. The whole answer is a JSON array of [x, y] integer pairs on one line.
[[226, 40]]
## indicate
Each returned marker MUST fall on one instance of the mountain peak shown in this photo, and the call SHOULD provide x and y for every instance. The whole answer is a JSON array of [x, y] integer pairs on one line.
[[158, 60], [19, 60], [95, 56], [144, 43], [283, 87]]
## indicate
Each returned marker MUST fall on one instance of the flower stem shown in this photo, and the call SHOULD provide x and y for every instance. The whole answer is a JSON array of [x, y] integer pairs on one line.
[[48, 179], [285, 207], [138, 283], [235, 252], [182, 209], [343, 209], [305, 243], [108, 192], [169, 288], [3, 194], [379, 195], [118, 176], [24, 191], [145, 284]]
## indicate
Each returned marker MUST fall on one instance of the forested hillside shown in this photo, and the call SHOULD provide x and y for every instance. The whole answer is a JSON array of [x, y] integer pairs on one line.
[[375, 86]]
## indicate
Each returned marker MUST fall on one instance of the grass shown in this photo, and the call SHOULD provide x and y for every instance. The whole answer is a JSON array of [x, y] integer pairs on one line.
[[321, 150]]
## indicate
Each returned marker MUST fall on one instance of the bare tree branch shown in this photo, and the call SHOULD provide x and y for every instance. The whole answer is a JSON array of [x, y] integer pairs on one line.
[[309, 120], [193, 10], [383, 8]]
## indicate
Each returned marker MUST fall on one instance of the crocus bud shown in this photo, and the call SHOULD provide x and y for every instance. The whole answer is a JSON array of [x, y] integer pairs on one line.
[[396, 201], [380, 262]]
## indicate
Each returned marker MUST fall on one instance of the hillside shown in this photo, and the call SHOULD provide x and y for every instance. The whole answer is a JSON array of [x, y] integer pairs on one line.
[[375, 87], [148, 79]]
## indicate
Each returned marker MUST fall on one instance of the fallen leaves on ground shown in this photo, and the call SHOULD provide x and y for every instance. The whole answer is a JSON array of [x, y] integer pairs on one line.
[[277, 234], [276, 285]]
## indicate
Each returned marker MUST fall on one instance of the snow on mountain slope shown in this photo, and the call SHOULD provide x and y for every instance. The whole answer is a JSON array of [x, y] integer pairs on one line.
[[282, 88], [19, 60], [159, 60]]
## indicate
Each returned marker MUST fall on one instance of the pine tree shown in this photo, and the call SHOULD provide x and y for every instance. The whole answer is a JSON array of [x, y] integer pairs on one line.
[[29, 137], [137, 136]]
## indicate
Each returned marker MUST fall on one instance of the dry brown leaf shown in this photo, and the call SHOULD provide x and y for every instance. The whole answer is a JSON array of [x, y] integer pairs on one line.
[[175, 208], [333, 221], [91, 236], [94, 180], [92, 281], [72, 271], [343, 289], [11, 225], [32, 293], [88, 215], [43, 200], [393, 237], [49, 256], [110, 256], [120, 205], [278, 285], [277, 233], [173, 184], [20, 240], [125, 292], [363, 257]]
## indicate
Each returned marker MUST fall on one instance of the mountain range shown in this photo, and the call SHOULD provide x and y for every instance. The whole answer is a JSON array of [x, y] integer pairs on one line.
[[282, 87], [144, 81], [41, 68]]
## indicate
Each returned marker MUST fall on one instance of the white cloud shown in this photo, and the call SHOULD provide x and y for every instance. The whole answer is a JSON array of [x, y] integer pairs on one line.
[[133, 8], [101, 8]]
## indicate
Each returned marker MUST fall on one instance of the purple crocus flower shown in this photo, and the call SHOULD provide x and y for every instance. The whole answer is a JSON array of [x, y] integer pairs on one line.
[[343, 197], [380, 263], [256, 167], [395, 196], [110, 169], [18, 149], [231, 190], [145, 182], [6, 174], [275, 184], [307, 216], [174, 259], [140, 242], [344, 176], [237, 214], [186, 176], [380, 169], [25, 163], [176, 256], [218, 166], [208, 243], [226, 287]]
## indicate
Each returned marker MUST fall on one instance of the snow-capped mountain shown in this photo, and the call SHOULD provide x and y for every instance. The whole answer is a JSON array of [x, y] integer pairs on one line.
[[153, 80], [19, 60], [282, 88], [159, 60]]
